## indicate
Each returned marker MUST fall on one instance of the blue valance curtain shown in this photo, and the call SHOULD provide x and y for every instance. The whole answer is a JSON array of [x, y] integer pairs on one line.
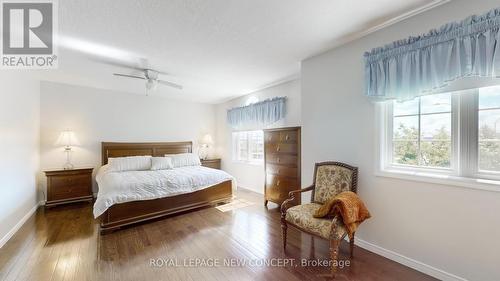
[[421, 65], [257, 115]]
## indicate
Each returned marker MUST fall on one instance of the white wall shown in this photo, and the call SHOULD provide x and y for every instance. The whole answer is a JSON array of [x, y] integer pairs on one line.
[[450, 228], [19, 135], [100, 115], [252, 176]]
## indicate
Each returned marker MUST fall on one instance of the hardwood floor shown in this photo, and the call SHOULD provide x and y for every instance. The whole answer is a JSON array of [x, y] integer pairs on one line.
[[63, 244]]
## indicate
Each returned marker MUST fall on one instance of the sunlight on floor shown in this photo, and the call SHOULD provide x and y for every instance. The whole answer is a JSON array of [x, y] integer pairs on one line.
[[235, 204]]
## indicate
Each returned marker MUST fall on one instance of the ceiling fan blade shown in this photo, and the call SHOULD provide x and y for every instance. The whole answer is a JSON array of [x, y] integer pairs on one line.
[[170, 84], [157, 71], [129, 76]]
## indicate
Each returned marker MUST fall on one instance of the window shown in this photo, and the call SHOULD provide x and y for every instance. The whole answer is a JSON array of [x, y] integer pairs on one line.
[[454, 133], [422, 132], [489, 129], [248, 146], [252, 100]]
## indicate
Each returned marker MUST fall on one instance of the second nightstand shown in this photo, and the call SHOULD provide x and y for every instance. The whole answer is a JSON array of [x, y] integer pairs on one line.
[[68, 186], [211, 163]]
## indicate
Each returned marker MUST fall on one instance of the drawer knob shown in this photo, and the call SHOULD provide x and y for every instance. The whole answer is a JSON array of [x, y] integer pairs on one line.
[[278, 183], [278, 148], [287, 137]]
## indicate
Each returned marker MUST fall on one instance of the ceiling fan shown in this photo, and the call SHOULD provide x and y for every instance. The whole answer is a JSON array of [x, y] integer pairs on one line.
[[151, 77]]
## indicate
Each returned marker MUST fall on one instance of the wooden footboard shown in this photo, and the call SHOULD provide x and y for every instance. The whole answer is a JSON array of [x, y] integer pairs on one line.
[[128, 213]]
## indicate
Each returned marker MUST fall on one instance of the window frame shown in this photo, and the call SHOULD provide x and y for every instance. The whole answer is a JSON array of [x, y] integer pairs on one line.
[[389, 146], [235, 149], [464, 163]]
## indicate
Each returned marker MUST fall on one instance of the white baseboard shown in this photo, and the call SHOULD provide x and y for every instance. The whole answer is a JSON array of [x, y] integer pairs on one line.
[[409, 262], [13, 231]]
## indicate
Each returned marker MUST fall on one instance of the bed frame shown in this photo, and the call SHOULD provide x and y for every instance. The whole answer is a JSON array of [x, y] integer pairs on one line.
[[128, 213]]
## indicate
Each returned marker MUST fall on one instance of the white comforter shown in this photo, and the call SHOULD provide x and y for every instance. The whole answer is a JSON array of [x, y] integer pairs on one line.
[[120, 187]]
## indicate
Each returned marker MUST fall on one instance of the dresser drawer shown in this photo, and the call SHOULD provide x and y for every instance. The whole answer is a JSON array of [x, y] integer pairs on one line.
[[278, 188], [66, 181], [282, 159], [290, 148], [272, 137], [282, 170], [212, 163], [275, 194], [73, 191], [289, 136], [281, 182]]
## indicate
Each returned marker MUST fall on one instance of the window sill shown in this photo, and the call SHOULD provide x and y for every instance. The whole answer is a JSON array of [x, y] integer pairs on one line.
[[248, 163], [479, 184]]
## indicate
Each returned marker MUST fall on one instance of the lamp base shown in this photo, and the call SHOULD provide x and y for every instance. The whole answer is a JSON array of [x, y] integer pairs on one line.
[[68, 166], [203, 152]]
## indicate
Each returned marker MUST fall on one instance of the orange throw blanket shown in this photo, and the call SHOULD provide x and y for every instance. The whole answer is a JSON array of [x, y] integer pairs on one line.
[[349, 206]]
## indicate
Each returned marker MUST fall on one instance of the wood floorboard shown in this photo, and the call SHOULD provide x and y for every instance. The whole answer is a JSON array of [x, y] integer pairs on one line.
[[63, 243]]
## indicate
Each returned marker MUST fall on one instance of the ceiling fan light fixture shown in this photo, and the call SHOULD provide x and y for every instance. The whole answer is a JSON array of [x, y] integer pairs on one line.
[[151, 84]]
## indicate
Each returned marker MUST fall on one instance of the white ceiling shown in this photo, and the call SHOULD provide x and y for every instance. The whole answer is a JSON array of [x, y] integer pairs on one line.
[[217, 49]]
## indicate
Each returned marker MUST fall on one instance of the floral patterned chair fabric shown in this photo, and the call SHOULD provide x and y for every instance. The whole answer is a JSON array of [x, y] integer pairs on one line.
[[302, 216], [330, 181]]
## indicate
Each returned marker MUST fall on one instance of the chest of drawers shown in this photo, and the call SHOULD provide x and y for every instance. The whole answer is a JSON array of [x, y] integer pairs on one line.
[[67, 186], [282, 163], [211, 163]]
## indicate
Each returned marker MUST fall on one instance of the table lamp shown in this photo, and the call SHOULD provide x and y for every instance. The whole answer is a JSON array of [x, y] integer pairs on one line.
[[67, 139], [206, 141]]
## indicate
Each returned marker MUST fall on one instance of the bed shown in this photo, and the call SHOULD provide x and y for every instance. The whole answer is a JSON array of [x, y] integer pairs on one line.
[[120, 212]]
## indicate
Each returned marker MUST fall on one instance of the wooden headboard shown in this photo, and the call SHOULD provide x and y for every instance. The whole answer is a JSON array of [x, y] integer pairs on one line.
[[122, 149]]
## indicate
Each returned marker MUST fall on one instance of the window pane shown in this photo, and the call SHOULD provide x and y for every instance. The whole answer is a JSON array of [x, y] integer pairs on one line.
[[405, 128], [436, 103], [489, 155], [435, 153], [242, 146], [248, 146], [489, 97], [406, 107], [256, 146], [489, 140], [405, 152], [489, 124], [435, 127]]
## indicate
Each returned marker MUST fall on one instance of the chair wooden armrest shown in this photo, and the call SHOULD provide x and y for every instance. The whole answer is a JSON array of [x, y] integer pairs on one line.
[[291, 197]]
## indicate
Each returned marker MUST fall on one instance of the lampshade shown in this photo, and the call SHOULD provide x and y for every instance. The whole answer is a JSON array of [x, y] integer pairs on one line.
[[67, 138], [207, 139]]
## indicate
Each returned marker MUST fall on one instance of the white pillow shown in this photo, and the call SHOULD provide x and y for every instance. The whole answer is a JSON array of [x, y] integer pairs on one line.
[[184, 159], [131, 163], [161, 163]]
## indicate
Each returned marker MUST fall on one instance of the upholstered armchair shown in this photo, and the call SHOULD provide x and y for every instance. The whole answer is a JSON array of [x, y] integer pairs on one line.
[[330, 178]]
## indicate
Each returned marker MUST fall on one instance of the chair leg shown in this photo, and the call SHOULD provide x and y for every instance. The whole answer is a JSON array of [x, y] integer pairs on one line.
[[284, 228], [334, 254], [312, 252], [351, 246]]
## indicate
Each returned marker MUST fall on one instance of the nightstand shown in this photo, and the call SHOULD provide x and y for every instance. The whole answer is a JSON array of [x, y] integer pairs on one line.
[[68, 186], [211, 163]]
